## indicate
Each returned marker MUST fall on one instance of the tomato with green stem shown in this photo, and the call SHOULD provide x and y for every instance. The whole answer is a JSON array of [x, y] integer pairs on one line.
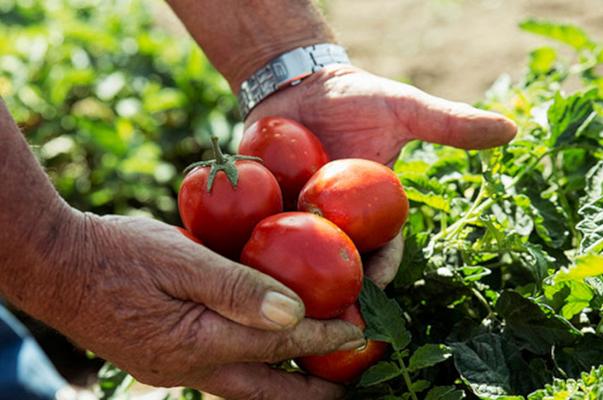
[[221, 200], [311, 256], [345, 366]]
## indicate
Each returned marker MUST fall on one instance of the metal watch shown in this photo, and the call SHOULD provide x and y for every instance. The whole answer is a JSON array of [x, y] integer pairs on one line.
[[288, 69]]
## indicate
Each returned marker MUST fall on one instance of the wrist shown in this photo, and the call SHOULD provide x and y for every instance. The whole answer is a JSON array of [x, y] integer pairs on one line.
[[253, 59], [40, 275]]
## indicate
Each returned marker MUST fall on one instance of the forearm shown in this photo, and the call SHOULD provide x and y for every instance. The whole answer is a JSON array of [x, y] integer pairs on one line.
[[34, 222], [239, 36]]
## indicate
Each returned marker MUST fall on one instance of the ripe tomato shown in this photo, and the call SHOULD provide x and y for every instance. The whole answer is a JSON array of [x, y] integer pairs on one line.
[[310, 255], [189, 235], [289, 150], [222, 200], [345, 366], [364, 198]]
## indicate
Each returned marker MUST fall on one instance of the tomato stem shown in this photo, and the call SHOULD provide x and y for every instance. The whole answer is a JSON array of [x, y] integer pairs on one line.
[[218, 155]]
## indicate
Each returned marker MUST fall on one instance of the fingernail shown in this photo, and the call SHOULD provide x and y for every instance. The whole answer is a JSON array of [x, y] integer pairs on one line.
[[281, 310], [353, 345]]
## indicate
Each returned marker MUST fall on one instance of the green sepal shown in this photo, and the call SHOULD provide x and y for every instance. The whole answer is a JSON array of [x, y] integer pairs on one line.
[[221, 162]]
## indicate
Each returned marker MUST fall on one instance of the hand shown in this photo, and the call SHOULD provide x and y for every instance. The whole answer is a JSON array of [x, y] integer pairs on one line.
[[173, 313], [357, 114]]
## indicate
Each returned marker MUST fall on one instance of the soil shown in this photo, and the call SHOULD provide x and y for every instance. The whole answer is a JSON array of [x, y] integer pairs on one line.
[[451, 48]]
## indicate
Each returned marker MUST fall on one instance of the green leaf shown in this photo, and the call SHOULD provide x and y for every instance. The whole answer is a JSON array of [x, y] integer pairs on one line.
[[591, 212], [536, 326], [481, 362], [113, 382], [381, 372], [567, 114], [445, 393], [564, 33], [413, 261], [428, 355], [493, 367], [420, 385], [586, 266], [383, 317], [582, 356], [542, 60]]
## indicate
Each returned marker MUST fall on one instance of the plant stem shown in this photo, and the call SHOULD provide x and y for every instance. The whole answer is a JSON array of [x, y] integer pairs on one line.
[[406, 376], [218, 155]]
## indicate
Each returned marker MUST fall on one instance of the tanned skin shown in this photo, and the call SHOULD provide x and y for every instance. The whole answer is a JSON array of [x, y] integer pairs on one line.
[[171, 312]]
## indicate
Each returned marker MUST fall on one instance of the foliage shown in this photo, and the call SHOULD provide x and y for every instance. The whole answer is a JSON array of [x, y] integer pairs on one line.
[[504, 247], [499, 292], [115, 105]]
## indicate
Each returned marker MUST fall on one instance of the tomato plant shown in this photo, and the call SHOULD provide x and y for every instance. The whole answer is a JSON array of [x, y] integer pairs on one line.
[[311, 256], [221, 200], [289, 150], [345, 366], [364, 198]]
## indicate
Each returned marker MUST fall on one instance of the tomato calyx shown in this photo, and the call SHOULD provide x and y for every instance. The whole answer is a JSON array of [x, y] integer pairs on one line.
[[221, 162]]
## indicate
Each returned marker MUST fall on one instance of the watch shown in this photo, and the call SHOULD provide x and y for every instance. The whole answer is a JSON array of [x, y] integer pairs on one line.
[[288, 69]]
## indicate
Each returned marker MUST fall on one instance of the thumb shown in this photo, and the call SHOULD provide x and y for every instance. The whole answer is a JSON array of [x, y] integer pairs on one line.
[[433, 119], [240, 293]]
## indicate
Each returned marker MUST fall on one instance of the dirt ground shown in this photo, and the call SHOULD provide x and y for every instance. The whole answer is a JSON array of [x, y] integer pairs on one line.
[[451, 48]]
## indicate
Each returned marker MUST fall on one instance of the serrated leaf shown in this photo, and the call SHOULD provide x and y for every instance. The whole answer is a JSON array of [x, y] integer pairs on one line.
[[445, 393], [420, 385], [586, 266], [566, 115], [428, 355], [493, 367], [536, 326], [591, 212], [383, 371], [432, 200], [539, 264], [542, 60], [481, 362], [413, 261], [564, 33], [383, 317]]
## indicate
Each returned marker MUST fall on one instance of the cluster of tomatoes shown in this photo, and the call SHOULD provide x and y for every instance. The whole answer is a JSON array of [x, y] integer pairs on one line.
[[333, 212]]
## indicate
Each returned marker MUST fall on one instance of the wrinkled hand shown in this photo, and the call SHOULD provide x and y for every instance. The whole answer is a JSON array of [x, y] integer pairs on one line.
[[357, 114], [173, 313]]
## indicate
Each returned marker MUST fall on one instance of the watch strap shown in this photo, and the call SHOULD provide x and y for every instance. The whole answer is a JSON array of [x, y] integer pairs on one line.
[[286, 70]]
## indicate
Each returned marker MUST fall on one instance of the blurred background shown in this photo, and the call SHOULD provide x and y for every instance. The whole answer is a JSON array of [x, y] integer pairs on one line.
[[116, 100]]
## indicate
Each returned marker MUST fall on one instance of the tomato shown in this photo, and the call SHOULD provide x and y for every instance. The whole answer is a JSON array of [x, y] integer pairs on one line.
[[221, 201], [311, 256], [189, 235], [289, 150], [364, 198], [345, 366]]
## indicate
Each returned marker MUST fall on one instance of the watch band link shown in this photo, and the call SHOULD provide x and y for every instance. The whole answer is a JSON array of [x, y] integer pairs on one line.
[[288, 69]]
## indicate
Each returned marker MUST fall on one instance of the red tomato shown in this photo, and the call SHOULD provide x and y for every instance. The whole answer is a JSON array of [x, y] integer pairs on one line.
[[188, 235], [311, 256], [345, 366], [364, 198], [223, 216], [289, 150]]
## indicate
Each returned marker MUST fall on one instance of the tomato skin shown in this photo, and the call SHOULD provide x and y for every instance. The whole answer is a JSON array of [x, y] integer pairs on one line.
[[345, 366], [289, 150], [224, 218], [311, 256], [364, 198], [189, 235]]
